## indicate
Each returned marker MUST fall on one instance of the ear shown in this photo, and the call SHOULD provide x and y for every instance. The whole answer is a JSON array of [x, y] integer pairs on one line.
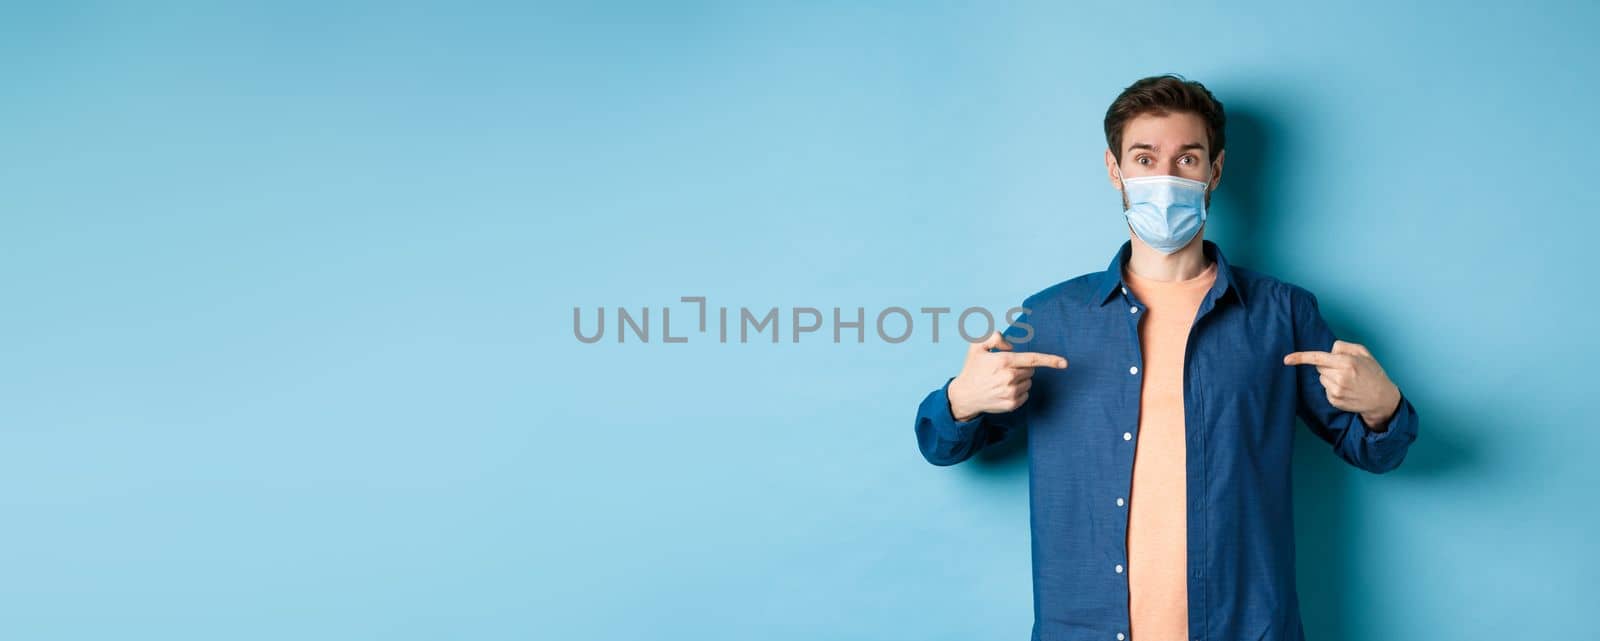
[[1216, 170], [1111, 170]]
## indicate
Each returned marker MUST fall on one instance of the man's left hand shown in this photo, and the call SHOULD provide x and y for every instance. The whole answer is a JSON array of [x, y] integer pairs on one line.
[[1354, 382]]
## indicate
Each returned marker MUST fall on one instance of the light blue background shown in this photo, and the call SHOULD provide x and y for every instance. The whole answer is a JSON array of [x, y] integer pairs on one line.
[[288, 295]]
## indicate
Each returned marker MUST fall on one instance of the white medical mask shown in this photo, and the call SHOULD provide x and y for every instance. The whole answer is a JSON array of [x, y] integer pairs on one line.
[[1165, 211]]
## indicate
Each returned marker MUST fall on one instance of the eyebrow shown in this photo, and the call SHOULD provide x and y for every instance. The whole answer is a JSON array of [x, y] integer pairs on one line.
[[1185, 147]]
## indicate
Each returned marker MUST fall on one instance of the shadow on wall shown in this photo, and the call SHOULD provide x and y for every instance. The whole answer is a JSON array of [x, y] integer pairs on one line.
[[1329, 524]]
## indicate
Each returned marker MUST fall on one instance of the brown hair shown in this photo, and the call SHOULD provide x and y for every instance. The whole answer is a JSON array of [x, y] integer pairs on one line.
[[1161, 95]]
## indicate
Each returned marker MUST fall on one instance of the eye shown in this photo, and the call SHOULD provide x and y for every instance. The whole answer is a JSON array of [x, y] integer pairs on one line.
[[1143, 160], [1188, 160]]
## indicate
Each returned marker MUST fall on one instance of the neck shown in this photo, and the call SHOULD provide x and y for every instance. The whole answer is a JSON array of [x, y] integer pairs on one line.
[[1183, 264]]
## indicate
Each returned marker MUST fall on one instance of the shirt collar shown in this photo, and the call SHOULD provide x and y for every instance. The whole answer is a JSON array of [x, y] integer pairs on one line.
[[1111, 278]]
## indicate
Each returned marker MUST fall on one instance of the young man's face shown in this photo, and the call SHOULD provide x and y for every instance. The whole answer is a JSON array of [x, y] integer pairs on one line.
[[1174, 144]]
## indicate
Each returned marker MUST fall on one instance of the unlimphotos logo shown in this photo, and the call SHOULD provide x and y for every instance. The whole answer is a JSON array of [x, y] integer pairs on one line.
[[743, 324]]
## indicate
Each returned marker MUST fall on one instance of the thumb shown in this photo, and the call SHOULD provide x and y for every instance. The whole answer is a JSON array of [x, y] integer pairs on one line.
[[993, 341], [1347, 347]]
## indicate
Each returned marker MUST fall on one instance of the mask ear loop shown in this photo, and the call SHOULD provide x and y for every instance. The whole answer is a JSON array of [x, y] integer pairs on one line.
[[1122, 186]]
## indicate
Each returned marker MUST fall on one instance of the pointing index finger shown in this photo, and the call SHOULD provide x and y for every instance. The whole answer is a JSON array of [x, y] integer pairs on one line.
[[1320, 359], [1036, 359]]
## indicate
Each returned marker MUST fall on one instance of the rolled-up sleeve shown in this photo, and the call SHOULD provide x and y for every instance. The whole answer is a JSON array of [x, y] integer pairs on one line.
[[947, 441], [1370, 450]]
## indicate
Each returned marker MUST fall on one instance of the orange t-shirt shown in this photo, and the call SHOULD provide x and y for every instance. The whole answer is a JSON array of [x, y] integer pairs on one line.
[[1158, 589]]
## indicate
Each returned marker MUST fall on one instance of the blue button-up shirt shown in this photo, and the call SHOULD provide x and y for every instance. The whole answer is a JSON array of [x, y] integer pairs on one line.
[[1240, 402]]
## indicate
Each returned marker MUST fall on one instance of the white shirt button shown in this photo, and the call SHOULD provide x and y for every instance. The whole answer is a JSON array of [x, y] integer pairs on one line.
[[1119, 636], [1119, 568], [1127, 436], [1133, 310], [1124, 290], [1133, 370], [1119, 501]]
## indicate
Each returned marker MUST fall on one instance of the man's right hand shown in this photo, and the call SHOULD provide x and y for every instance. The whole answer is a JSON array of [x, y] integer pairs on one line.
[[995, 382]]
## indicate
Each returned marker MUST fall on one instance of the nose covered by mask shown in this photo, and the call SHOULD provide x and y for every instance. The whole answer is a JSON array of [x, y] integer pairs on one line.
[[1165, 211]]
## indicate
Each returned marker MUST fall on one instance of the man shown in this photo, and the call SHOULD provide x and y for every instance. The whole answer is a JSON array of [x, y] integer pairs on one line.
[[1159, 397]]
